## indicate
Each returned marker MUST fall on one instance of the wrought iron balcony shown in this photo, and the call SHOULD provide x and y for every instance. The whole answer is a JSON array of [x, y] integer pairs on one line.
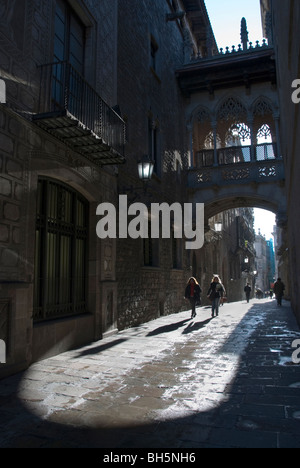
[[71, 110]]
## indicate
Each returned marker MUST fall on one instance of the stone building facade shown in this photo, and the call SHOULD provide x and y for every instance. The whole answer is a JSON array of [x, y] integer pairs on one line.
[[228, 252], [87, 89], [57, 280], [265, 263], [151, 274], [80, 81], [283, 20]]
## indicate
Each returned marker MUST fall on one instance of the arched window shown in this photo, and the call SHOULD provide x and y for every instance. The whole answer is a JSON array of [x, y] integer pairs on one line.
[[209, 141], [239, 134], [60, 287], [264, 134], [265, 148]]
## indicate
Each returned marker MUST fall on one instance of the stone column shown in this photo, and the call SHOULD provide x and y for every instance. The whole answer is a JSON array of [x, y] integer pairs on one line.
[[214, 127], [276, 118], [190, 130], [253, 140]]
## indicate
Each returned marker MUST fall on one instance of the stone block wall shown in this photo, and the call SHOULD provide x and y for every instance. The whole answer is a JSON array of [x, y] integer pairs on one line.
[[286, 36], [149, 91], [26, 153]]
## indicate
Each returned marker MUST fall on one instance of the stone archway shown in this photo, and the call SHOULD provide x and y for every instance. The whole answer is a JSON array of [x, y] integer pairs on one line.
[[217, 205]]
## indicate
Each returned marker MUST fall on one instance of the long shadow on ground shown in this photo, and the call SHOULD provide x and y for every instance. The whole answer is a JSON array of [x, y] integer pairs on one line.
[[260, 406]]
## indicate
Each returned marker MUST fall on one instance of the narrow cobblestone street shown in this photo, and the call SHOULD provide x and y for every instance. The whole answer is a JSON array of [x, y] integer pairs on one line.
[[172, 383]]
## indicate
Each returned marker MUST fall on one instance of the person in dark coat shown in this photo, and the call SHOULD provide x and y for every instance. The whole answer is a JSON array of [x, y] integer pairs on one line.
[[279, 289], [248, 290], [193, 294], [215, 293]]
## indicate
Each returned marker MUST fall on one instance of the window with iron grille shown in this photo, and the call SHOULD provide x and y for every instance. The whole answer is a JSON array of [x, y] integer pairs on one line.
[[60, 287]]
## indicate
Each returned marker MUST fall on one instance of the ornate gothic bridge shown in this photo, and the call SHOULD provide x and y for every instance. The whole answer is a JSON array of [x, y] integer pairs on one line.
[[234, 125], [233, 184]]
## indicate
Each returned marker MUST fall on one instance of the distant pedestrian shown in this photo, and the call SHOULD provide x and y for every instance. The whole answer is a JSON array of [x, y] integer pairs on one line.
[[215, 293], [193, 294], [248, 290], [279, 289], [259, 294]]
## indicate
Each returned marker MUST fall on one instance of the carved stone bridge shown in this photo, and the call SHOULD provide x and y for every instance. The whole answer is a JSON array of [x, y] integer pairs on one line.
[[233, 120]]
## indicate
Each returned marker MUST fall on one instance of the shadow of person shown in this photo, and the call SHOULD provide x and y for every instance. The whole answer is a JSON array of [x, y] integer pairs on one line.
[[195, 326], [168, 328]]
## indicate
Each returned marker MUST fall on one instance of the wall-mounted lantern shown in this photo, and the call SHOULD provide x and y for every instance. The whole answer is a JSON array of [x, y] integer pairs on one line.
[[145, 169]]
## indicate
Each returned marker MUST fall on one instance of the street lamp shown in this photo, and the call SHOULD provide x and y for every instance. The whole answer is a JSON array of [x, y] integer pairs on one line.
[[145, 172], [218, 227], [145, 168]]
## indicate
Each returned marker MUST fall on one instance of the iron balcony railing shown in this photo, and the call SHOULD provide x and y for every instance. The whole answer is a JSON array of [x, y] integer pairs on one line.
[[235, 155], [64, 90]]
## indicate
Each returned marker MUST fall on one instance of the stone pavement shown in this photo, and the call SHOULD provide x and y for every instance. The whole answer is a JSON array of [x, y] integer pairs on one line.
[[174, 383]]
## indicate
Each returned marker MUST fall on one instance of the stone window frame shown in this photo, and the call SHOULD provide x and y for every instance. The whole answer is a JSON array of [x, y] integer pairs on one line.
[[60, 227], [89, 22]]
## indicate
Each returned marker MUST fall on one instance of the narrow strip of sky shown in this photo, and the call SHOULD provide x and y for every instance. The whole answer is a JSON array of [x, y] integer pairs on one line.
[[265, 222], [226, 16]]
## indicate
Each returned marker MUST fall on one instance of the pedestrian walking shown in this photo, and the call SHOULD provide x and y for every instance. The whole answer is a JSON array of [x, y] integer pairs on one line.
[[215, 293], [248, 290], [193, 294], [279, 289]]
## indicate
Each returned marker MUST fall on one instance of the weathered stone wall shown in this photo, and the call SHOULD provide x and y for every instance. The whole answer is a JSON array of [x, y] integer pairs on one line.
[[287, 45], [27, 152], [146, 292]]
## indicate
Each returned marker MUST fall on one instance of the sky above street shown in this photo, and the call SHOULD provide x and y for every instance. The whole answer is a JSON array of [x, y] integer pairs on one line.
[[265, 221], [226, 17]]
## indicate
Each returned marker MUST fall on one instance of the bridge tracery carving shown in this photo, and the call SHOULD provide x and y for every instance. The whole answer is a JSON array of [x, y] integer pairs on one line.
[[262, 107], [247, 172], [231, 109], [236, 174]]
